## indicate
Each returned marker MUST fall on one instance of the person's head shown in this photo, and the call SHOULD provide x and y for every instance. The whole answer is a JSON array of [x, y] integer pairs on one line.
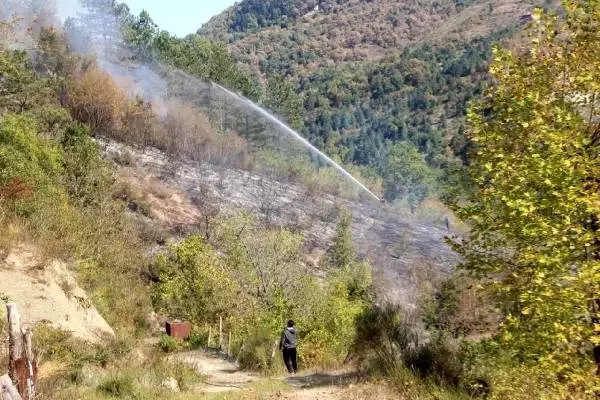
[[290, 324]]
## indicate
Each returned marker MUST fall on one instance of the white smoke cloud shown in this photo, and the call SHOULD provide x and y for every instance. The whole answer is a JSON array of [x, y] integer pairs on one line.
[[67, 8]]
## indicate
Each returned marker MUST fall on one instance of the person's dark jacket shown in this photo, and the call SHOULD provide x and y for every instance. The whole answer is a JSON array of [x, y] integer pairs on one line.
[[288, 339]]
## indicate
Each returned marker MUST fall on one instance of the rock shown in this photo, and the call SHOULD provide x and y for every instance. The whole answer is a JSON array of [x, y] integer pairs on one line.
[[171, 384], [155, 323]]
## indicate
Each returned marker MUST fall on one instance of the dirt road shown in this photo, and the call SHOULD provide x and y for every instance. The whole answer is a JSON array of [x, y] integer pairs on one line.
[[223, 376]]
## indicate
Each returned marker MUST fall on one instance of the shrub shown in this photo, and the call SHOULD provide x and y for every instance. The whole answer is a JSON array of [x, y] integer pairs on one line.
[[29, 165], [383, 335], [140, 125], [438, 359], [457, 308], [257, 350], [185, 375], [169, 344], [117, 386], [198, 338], [51, 121], [193, 284], [97, 101]]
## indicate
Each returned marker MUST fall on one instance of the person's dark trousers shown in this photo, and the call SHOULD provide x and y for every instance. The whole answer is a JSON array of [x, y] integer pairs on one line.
[[289, 358]]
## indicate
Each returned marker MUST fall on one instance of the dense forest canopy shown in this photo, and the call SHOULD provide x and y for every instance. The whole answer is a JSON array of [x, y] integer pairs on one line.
[[408, 78]]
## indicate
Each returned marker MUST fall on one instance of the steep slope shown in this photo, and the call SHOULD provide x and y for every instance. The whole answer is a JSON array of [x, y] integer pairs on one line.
[[49, 293], [403, 249], [372, 73]]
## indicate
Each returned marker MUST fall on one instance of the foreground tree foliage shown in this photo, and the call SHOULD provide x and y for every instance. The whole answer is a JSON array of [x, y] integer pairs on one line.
[[535, 205], [255, 284]]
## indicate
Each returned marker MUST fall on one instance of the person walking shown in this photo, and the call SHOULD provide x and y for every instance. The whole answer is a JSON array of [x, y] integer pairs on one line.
[[287, 345]]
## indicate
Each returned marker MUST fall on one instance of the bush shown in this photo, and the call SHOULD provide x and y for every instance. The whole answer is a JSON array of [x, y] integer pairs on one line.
[[169, 345], [438, 359], [117, 386], [198, 338], [185, 375], [257, 350], [386, 339], [97, 101], [29, 165]]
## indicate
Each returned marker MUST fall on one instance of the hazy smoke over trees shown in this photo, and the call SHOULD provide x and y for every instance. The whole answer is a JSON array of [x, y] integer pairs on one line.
[[168, 79]]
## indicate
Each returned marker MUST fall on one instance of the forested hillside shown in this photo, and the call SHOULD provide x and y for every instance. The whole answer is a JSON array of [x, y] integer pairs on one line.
[[371, 74], [519, 319]]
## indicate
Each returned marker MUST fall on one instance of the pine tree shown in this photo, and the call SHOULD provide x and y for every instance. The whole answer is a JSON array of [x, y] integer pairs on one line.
[[343, 252]]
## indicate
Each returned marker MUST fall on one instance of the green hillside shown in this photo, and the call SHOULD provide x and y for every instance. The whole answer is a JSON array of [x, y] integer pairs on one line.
[[406, 75]]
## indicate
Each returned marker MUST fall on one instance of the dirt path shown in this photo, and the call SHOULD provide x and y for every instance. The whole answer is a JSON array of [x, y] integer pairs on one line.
[[223, 376]]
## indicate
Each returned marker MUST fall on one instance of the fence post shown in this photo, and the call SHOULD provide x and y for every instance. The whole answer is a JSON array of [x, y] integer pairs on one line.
[[15, 339], [220, 333], [209, 336], [240, 352], [274, 350], [229, 345], [31, 367]]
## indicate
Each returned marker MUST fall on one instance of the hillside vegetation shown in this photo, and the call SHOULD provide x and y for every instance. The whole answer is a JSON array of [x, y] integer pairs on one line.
[[371, 74], [519, 319], [57, 193]]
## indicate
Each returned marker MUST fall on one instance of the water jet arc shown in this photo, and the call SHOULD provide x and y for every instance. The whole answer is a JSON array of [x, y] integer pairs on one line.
[[298, 137]]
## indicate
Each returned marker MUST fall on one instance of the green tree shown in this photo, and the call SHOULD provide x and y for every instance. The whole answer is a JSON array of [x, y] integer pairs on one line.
[[406, 174], [193, 283], [140, 33], [103, 19], [535, 208], [343, 252], [281, 96], [349, 272], [20, 87]]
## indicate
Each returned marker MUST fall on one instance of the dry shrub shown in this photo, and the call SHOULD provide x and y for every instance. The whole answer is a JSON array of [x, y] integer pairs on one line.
[[459, 308], [229, 149], [186, 132], [15, 190], [139, 124], [96, 100]]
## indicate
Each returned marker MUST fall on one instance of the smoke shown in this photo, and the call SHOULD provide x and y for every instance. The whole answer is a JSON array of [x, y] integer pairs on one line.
[[21, 21], [67, 9], [96, 33]]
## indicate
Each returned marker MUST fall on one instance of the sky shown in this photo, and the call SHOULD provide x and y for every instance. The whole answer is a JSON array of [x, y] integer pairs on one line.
[[179, 17]]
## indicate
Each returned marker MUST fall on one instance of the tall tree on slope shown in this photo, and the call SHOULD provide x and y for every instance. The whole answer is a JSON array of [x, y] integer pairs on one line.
[[535, 210]]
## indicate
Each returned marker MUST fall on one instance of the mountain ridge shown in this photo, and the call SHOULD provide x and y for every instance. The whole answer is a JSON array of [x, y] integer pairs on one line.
[[405, 76]]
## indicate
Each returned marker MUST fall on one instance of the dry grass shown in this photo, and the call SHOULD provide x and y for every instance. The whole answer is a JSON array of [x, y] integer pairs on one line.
[[96, 100]]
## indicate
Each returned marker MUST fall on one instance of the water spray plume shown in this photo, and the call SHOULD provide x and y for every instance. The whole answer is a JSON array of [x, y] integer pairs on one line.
[[298, 137]]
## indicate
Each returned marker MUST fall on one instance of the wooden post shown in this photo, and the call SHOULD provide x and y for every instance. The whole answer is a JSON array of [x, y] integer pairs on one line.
[[31, 367], [220, 333], [274, 350], [209, 337], [229, 345], [15, 340], [7, 390]]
